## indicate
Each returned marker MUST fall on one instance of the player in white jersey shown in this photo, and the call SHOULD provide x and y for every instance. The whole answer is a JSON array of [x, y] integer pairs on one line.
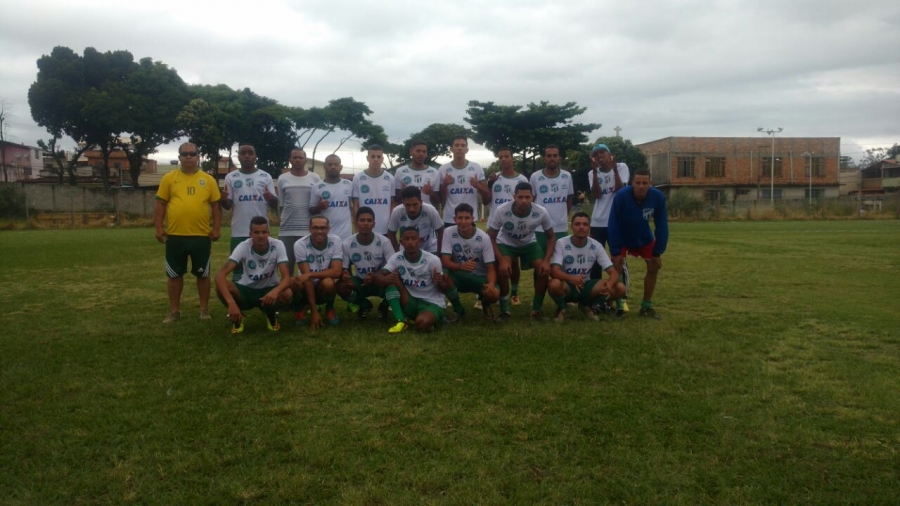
[[331, 198], [468, 257], [248, 192], [607, 177], [264, 282], [512, 230], [573, 258], [554, 189], [294, 194], [374, 188], [461, 181], [423, 217], [319, 258], [417, 173], [365, 253], [414, 285], [502, 187]]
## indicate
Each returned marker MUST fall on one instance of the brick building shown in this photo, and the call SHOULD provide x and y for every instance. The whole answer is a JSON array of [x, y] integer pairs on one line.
[[19, 162], [727, 169]]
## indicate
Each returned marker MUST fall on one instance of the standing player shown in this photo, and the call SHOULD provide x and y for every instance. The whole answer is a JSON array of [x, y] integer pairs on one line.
[[423, 217], [468, 257], [501, 186], [629, 231], [365, 252], [185, 200], [331, 198], [374, 188], [573, 258], [417, 173], [460, 180], [607, 177], [512, 231], [553, 189], [264, 260], [249, 191], [319, 258], [294, 194], [414, 285]]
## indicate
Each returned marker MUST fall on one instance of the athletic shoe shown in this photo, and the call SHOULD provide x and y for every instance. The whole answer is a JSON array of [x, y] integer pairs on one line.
[[625, 305], [649, 312], [383, 309], [537, 316], [589, 313], [600, 309], [172, 317], [514, 300], [620, 313], [503, 318], [204, 314], [560, 316], [397, 328], [477, 304], [331, 317], [237, 328], [352, 308], [363, 312], [489, 313], [300, 316], [272, 322]]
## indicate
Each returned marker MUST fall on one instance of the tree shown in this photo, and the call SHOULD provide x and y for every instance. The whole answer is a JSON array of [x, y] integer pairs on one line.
[[268, 126], [578, 160], [437, 136], [875, 155], [212, 120], [344, 114], [60, 164], [4, 121]]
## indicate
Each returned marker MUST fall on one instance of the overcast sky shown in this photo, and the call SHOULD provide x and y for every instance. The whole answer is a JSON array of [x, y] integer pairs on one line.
[[657, 69]]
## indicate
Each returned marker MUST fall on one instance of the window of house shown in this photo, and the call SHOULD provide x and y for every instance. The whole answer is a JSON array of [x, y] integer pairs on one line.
[[818, 166], [767, 195], [715, 196], [685, 166], [741, 192], [766, 167], [715, 166], [817, 193]]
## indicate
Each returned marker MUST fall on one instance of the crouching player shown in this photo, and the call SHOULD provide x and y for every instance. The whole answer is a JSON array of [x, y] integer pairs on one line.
[[414, 284], [366, 252], [573, 258], [468, 257], [261, 258], [319, 258]]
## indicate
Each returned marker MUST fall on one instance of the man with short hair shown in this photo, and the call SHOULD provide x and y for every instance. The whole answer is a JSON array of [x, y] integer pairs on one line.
[[553, 189], [249, 192], [419, 174], [501, 186], [414, 285], [423, 217], [512, 231], [629, 231], [186, 199], [461, 181], [365, 253], [573, 258], [374, 188], [468, 257], [331, 198], [319, 259], [294, 194], [264, 260], [607, 177]]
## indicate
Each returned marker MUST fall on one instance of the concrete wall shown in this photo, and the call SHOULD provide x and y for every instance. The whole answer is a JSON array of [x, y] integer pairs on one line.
[[64, 198]]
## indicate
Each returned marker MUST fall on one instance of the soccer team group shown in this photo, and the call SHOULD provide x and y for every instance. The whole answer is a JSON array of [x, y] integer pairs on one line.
[[405, 252]]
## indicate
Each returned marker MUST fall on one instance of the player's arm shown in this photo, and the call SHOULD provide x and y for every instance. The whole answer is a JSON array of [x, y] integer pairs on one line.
[[619, 183], [159, 215], [661, 219], [551, 246], [503, 263], [596, 191], [226, 202], [222, 284], [483, 188], [271, 298], [216, 231], [271, 195]]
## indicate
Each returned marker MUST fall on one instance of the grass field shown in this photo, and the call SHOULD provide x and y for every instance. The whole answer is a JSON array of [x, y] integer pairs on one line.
[[773, 377]]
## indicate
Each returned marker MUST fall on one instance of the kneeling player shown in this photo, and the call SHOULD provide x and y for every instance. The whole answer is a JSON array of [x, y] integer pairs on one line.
[[261, 257], [468, 257], [319, 259], [366, 252], [573, 258], [414, 284]]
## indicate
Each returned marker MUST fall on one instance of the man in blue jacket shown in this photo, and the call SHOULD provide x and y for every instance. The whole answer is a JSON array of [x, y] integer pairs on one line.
[[629, 231]]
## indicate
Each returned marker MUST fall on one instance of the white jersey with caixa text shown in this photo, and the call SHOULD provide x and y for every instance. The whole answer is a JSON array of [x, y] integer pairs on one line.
[[407, 176], [376, 192], [578, 261], [260, 269], [245, 191], [603, 204], [516, 231], [418, 277], [554, 193], [462, 249], [338, 211], [503, 190], [318, 259], [366, 258], [460, 189], [428, 222]]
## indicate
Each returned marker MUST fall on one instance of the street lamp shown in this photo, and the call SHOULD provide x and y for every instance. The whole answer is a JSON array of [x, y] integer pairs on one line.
[[809, 154], [772, 173]]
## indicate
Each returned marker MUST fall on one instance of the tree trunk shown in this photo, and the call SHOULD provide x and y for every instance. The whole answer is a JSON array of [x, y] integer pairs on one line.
[[317, 146]]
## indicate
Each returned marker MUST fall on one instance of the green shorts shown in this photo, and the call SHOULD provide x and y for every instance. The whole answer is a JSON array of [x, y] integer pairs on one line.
[[415, 306], [370, 290], [528, 253], [466, 282], [251, 297], [542, 238], [583, 296], [180, 247], [233, 243]]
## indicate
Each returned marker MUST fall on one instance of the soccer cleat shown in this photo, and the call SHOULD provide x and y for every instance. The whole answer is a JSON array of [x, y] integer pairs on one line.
[[352, 308], [477, 304], [172, 317], [456, 317], [272, 322], [489, 314], [620, 313], [363, 312], [383, 309], [600, 309], [300, 316], [514, 300], [589, 313], [538, 316], [331, 317], [649, 312], [625, 305], [560, 316], [397, 328], [204, 314], [503, 318], [237, 328]]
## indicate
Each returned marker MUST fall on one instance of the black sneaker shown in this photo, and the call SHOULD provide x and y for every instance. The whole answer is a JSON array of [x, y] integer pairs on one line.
[[600, 309], [537, 316], [620, 312], [503, 318], [649, 312], [383, 309]]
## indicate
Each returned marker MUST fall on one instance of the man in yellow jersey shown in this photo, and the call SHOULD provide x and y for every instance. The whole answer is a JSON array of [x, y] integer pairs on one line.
[[185, 200]]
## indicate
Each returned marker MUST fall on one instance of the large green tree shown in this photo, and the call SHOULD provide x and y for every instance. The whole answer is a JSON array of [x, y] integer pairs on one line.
[[437, 136], [341, 114], [212, 120]]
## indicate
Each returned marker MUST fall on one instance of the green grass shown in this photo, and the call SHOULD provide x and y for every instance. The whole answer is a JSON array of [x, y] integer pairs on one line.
[[772, 378]]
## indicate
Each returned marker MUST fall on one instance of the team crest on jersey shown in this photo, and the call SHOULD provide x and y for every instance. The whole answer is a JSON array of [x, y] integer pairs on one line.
[[249, 183], [543, 188], [457, 248], [648, 214], [569, 259], [310, 258], [238, 184], [554, 187], [326, 194], [202, 182], [498, 188], [402, 270], [461, 180], [251, 264], [364, 188], [356, 257], [509, 225]]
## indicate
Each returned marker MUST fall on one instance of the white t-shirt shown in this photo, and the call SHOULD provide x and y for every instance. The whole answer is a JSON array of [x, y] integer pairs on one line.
[[428, 222], [516, 231], [260, 269], [461, 249], [504, 190], [294, 194], [245, 191], [578, 261], [366, 258], [318, 259], [405, 176], [378, 193], [418, 277], [602, 205], [460, 190], [553, 193], [338, 212]]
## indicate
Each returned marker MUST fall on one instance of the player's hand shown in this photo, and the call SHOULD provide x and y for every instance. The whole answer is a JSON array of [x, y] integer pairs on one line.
[[214, 235], [467, 266], [270, 298], [345, 276], [322, 205], [368, 280], [655, 261], [489, 291], [448, 179], [393, 278], [544, 268], [438, 276], [577, 282], [234, 313], [617, 262], [224, 191], [427, 189], [493, 177], [475, 182], [603, 286], [315, 321], [505, 266], [161, 235], [269, 197]]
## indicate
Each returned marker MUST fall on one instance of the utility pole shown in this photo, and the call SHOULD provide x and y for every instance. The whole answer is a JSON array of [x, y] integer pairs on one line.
[[772, 133], [809, 154]]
